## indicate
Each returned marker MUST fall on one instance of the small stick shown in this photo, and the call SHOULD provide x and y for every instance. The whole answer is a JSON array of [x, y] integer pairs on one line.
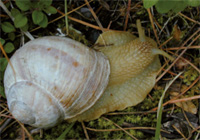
[[4, 53], [188, 18], [174, 100], [66, 19], [127, 14], [154, 30], [179, 131], [5, 124], [95, 16], [179, 48], [178, 56], [82, 22], [121, 128], [85, 131]]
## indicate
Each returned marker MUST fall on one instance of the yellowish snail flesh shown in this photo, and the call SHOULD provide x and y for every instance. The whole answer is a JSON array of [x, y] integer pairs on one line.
[[56, 78]]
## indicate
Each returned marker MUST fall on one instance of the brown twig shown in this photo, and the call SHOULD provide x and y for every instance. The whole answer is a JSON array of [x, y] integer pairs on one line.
[[120, 128], [4, 53], [7, 116], [179, 55], [188, 18], [175, 99], [127, 14], [129, 128], [174, 74], [179, 131], [186, 118], [152, 24], [95, 16], [23, 134], [164, 43], [184, 99], [138, 112], [82, 22], [197, 69], [180, 48], [85, 131], [26, 131], [87, 24]]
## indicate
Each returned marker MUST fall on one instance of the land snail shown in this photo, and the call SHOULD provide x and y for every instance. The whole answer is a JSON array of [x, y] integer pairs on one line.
[[56, 78]]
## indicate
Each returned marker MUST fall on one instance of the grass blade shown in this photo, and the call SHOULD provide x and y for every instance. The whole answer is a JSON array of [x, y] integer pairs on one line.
[[159, 113]]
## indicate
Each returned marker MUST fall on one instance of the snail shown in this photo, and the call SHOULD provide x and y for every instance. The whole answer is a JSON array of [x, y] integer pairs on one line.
[[56, 78]]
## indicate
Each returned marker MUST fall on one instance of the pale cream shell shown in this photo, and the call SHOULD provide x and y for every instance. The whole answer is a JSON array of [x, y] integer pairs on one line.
[[54, 78]]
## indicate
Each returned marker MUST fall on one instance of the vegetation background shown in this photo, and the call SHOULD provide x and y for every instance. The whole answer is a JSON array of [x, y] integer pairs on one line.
[[175, 25]]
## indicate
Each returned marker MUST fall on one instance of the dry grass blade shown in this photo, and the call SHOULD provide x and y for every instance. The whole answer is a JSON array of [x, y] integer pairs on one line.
[[165, 42], [129, 128], [180, 48], [179, 55], [85, 131], [27, 133], [188, 18], [62, 136], [197, 69], [188, 120], [183, 99], [4, 53], [4, 124], [172, 73], [83, 22], [87, 24], [152, 24], [95, 16], [179, 131], [127, 14], [66, 19], [160, 108]]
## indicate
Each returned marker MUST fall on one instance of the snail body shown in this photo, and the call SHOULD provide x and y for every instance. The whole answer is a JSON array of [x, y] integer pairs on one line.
[[56, 78]]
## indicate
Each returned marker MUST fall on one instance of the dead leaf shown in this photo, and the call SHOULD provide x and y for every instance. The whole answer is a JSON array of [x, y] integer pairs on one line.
[[176, 33], [187, 105]]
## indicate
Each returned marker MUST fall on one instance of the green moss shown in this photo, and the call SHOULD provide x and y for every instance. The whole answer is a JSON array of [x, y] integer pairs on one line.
[[149, 103], [191, 74], [55, 132]]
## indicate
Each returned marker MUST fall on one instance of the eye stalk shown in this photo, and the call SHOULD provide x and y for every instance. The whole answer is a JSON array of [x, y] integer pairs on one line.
[[140, 31]]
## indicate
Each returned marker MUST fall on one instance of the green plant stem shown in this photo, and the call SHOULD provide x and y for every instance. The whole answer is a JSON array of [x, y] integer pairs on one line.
[[66, 19], [62, 136], [160, 108]]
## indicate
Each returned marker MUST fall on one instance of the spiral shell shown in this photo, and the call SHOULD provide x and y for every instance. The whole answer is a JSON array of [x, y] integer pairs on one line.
[[54, 78]]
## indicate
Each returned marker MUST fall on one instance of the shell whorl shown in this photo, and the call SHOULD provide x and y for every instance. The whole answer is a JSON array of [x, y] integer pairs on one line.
[[63, 69]]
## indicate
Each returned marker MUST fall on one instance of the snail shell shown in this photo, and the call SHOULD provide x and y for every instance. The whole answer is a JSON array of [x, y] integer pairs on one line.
[[57, 78]]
